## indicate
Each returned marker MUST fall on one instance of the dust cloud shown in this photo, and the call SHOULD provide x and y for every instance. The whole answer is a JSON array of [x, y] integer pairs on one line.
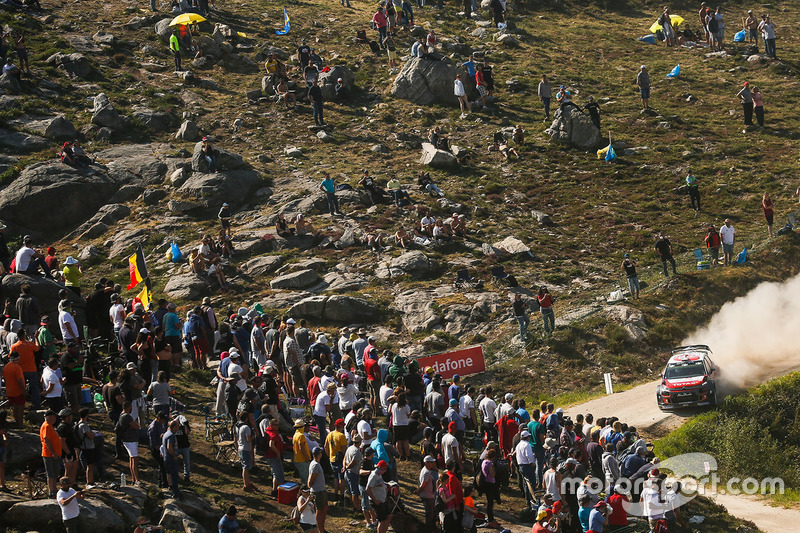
[[755, 337]]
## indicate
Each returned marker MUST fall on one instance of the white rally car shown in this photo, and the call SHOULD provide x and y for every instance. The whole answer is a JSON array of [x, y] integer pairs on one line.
[[689, 380]]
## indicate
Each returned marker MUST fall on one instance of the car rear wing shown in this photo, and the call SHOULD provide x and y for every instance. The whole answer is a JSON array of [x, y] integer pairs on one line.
[[690, 347]]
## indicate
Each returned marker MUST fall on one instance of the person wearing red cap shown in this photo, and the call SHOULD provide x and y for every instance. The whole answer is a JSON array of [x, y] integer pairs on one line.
[[335, 447], [378, 492], [451, 448]]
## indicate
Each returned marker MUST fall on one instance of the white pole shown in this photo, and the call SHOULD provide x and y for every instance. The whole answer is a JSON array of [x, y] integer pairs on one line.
[[607, 381]]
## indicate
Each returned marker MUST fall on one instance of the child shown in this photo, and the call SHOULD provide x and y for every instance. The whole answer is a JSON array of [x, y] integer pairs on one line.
[[468, 522]]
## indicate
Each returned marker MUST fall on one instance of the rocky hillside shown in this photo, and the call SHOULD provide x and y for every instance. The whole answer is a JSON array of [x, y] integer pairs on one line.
[[556, 216]]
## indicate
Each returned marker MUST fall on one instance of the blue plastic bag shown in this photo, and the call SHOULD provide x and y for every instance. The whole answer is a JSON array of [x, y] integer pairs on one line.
[[649, 39], [177, 255], [740, 36], [675, 72]]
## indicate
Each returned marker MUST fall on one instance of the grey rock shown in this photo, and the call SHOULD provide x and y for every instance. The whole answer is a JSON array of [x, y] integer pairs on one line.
[[295, 280], [126, 193], [153, 196], [103, 134], [232, 186], [8, 500], [345, 282], [186, 287], [572, 126], [255, 94], [506, 39], [163, 30], [324, 136], [75, 65], [7, 162], [414, 263], [209, 47], [757, 59], [47, 196], [24, 445], [249, 247], [311, 307], [112, 213], [188, 131], [172, 518], [87, 252], [347, 239], [327, 80], [180, 175], [46, 515], [103, 38], [293, 151], [59, 128], [262, 265], [131, 162], [203, 63], [125, 241], [417, 310], [480, 33], [542, 218], [427, 82], [379, 149], [95, 230], [434, 157], [225, 160], [105, 115], [341, 308], [179, 207], [155, 120], [18, 142], [10, 83], [266, 86], [185, 75], [512, 245]]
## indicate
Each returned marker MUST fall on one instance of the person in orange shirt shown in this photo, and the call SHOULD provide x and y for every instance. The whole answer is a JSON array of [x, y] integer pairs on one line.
[[51, 451], [27, 361], [15, 387]]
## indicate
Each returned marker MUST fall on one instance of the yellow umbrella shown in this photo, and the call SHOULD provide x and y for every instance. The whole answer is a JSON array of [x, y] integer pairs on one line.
[[186, 18], [676, 20]]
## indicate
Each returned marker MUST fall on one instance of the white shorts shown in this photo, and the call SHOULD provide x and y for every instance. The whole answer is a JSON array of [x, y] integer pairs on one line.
[[132, 447]]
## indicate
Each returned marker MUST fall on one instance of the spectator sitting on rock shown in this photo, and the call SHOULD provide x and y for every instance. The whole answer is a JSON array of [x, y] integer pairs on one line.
[[426, 183], [430, 41], [402, 238], [441, 233], [518, 135], [207, 249], [504, 149], [376, 194], [400, 196], [282, 90], [11, 68], [341, 90], [315, 59], [282, 227], [80, 155], [458, 225], [438, 140], [302, 227], [196, 262], [215, 272], [418, 48], [374, 240], [210, 154], [427, 224], [66, 154], [28, 260], [225, 244]]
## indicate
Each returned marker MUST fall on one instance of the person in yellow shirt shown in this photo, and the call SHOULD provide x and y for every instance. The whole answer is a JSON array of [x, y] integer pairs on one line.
[[302, 453], [72, 275], [335, 447], [175, 48]]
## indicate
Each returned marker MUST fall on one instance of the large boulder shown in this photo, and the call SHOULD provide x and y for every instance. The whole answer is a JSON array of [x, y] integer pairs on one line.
[[212, 190], [571, 125], [328, 80], [295, 280], [414, 263], [163, 29], [225, 160], [55, 128], [130, 163], [427, 82], [155, 120], [434, 157], [186, 287], [46, 293], [50, 197], [417, 309], [262, 265], [45, 515], [18, 142], [188, 131], [75, 65], [337, 308], [105, 115], [10, 83]]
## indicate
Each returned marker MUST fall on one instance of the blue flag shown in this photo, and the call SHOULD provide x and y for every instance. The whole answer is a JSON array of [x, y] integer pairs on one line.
[[286, 26], [610, 153], [674, 73]]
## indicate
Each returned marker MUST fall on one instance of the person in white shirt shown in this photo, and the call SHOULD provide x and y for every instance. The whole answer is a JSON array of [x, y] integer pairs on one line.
[[364, 427], [727, 235], [466, 408], [235, 367], [347, 394], [116, 313], [487, 407], [322, 408], [451, 448], [426, 224], [67, 499], [654, 506], [69, 329], [385, 393], [505, 409], [51, 386], [29, 261], [461, 95]]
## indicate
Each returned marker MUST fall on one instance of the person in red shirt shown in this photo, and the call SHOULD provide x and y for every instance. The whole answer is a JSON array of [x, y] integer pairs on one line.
[[273, 453], [455, 488], [541, 520], [313, 385], [373, 371], [480, 85], [27, 360], [51, 260], [618, 518], [15, 387], [712, 243], [546, 307], [51, 450], [506, 429]]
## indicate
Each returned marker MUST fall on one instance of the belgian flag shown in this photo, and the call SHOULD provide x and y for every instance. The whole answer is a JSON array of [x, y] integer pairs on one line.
[[137, 267], [145, 296]]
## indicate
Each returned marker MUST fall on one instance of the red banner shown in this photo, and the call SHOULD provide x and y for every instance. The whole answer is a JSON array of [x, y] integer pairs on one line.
[[462, 362]]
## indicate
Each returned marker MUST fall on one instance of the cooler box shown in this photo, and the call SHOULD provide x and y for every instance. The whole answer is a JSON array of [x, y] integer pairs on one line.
[[287, 493], [704, 265], [86, 396]]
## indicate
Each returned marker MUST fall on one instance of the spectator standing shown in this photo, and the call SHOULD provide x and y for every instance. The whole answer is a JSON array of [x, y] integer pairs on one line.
[[746, 98], [428, 479], [546, 308], [769, 210], [155, 431], [768, 33], [14, 377], [328, 186], [315, 97], [751, 23], [378, 492], [629, 266], [28, 311], [67, 498], [51, 450], [169, 451], [727, 235], [545, 93], [594, 111], [643, 82], [461, 96], [712, 244], [379, 23], [27, 360], [175, 48], [520, 308], [694, 191], [128, 430], [316, 482], [758, 106], [664, 249]]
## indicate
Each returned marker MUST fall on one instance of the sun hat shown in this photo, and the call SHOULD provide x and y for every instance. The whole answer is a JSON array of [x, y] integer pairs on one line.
[[559, 411], [429, 459], [544, 513], [509, 396], [525, 434], [130, 366], [70, 260], [322, 339], [299, 423], [290, 322], [429, 370]]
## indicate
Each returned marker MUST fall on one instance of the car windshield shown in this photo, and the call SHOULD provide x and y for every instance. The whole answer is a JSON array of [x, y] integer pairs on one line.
[[685, 370]]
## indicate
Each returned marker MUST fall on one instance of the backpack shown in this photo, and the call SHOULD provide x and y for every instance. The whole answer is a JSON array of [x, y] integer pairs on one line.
[[713, 25], [295, 515], [374, 46], [76, 434], [439, 505], [351, 425]]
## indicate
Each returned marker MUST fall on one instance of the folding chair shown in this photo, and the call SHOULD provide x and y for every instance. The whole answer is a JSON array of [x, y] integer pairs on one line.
[[702, 262], [499, 275], [212, 421], [224, 446]]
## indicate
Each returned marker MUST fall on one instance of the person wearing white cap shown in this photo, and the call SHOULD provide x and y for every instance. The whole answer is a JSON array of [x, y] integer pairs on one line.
[[527, 464], [341, 89], [320, 351], [428, 477], [224, 217], [751, 23], [505, 408], [643, 82], [72, 275]]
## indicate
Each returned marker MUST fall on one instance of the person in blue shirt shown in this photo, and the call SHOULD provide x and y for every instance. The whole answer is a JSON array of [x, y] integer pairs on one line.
[[329, 188], [633, 462], [228, 523], [598, 518], [454, 391], [584, 512], [470, 66], [523, 417], [172, 333]]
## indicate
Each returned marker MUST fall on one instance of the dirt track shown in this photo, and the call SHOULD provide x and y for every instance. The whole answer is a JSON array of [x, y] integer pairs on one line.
[[637, 407]]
